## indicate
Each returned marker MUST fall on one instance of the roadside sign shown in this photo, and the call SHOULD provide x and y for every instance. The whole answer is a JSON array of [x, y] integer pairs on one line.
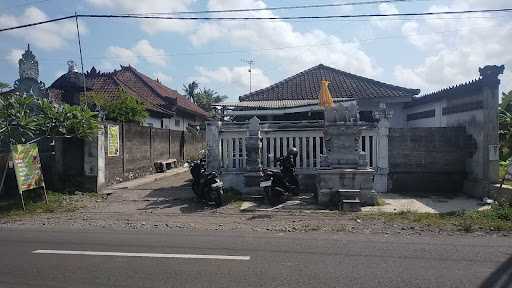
[[113, 140], [27, 166]]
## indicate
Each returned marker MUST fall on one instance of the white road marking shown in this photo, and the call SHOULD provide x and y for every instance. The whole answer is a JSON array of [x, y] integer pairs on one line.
[[153, 255]]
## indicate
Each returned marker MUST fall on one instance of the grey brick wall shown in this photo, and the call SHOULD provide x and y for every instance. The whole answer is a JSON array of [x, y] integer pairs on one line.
[[429, 160], [141, 146]]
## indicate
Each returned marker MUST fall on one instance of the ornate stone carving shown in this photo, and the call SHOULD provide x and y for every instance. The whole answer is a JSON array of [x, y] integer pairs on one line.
[[28, 65]]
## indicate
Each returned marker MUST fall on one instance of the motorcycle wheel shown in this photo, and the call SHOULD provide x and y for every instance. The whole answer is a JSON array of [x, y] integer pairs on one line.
[[273, 197], [218, 198], [195, 189]]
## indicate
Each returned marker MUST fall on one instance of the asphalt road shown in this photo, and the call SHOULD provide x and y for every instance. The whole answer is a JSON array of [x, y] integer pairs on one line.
[[271, 260]]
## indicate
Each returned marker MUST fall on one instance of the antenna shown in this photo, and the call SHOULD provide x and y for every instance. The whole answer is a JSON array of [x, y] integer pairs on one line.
[[251, 63]]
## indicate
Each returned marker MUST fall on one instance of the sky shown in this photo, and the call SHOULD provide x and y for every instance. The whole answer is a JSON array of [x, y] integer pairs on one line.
[[427, 53]]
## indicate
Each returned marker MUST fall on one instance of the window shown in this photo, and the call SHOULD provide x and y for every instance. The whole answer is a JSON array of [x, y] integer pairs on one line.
[[177, 122], [162, 123]]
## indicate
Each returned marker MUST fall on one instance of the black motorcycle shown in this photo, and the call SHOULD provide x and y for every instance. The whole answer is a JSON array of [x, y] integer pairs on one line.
[[206, 185], [279, 185]]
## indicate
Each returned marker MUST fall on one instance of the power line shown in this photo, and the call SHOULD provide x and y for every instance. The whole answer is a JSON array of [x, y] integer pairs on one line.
[[277, 8], [261, 18], [37, 23], [262, 50], [298, 17]]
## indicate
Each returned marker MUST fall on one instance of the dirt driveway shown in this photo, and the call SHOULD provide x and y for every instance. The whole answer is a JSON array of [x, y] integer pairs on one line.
[[169, 204], [169, 195]]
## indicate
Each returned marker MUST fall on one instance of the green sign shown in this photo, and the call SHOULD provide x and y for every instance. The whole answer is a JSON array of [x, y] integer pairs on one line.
[[27, 166]]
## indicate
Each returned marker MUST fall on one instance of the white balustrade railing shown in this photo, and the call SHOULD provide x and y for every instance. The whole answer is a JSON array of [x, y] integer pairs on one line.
[[309, 142], [232, 149]]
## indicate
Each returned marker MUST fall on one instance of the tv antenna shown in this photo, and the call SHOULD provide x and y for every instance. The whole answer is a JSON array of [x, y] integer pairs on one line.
[[251, 63]]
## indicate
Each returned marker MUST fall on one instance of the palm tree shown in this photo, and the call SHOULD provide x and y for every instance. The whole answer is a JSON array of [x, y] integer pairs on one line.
[[190, 90]]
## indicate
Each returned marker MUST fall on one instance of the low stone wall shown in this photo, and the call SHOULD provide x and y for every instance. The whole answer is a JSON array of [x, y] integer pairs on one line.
[[429, 160], [141, 146]]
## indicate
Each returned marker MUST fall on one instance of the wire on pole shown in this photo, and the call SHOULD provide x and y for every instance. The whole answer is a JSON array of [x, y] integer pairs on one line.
[[81, 57]]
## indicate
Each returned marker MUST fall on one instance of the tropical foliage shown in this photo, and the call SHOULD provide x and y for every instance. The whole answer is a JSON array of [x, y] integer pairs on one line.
[[190, 90], [26, 118], [505, 126], [4, 86], [123, 108], [204, 98]]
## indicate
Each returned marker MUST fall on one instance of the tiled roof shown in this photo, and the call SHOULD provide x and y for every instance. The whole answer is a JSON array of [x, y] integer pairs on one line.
[[276, 104], [182, 102], [452, 91], [306, 85], [155, 96]]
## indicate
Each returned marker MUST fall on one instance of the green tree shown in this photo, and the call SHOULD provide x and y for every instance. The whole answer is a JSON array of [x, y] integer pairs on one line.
[[505, 125], [4, 86], [191, 90], [26, 118], [124, 108], [17, 122], [207, 97], [67, 120]]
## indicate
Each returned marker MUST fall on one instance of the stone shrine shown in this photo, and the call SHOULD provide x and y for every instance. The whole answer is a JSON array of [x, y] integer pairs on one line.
[[344, 172]]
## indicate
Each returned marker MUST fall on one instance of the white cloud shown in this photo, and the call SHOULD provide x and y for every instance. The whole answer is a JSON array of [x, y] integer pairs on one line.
[[386, 22], [329, 49], [237, 76], [48, 36], [163, 78], [131, 56], [455, 49], [13, 56], [152, 55], [150, 6], [121, 55]]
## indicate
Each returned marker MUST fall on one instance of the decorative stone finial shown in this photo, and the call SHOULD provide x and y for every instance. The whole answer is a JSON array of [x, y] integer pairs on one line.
[[28, 65], [491, 71], [71, 66]]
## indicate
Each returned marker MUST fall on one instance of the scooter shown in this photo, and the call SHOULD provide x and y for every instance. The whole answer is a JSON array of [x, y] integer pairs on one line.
[[279, 185], [206, 185]]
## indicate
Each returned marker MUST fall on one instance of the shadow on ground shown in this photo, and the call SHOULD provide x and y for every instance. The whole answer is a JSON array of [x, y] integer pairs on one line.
[[501, 277], [175, 196]]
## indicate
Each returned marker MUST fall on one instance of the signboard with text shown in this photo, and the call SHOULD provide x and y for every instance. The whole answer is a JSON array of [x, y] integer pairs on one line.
[[113, 140], [27, 166]]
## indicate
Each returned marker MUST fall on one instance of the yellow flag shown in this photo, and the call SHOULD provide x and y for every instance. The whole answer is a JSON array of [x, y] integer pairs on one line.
[[325, 95]]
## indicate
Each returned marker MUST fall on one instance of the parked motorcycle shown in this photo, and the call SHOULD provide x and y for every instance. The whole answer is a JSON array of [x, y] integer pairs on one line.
[[279, 185], [206, 185]]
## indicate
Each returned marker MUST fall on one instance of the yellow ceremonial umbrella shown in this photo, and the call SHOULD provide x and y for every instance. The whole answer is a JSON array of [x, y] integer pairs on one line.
[[325, 95]]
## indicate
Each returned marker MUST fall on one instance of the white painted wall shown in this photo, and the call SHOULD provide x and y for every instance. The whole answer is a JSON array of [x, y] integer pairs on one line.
[[176, 123]]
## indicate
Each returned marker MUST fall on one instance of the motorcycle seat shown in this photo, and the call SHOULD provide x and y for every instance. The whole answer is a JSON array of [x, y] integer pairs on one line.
[[271, 171]]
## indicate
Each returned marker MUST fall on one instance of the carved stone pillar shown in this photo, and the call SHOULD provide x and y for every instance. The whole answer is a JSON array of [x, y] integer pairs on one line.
[[382, 169], [213, 142], [253, 173], [253, 146]]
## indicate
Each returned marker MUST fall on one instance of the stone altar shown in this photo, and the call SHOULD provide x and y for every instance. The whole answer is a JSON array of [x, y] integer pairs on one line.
[[344, 172]]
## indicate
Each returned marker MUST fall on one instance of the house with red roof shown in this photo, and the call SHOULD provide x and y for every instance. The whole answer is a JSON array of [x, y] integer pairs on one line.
[[167, 108]]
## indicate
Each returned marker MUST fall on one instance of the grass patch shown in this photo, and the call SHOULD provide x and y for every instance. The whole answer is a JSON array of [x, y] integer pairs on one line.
[[380, 202], [497, 218], [503, 172], [10, 207], [232, 195]]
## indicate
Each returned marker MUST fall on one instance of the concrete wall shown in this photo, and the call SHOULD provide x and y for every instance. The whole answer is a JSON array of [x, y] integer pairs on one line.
[[429, 160], [474, 109], [141, 146]]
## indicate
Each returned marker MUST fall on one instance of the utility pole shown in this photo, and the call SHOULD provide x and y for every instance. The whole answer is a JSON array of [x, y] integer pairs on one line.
[[251, 63], [81, 58]]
